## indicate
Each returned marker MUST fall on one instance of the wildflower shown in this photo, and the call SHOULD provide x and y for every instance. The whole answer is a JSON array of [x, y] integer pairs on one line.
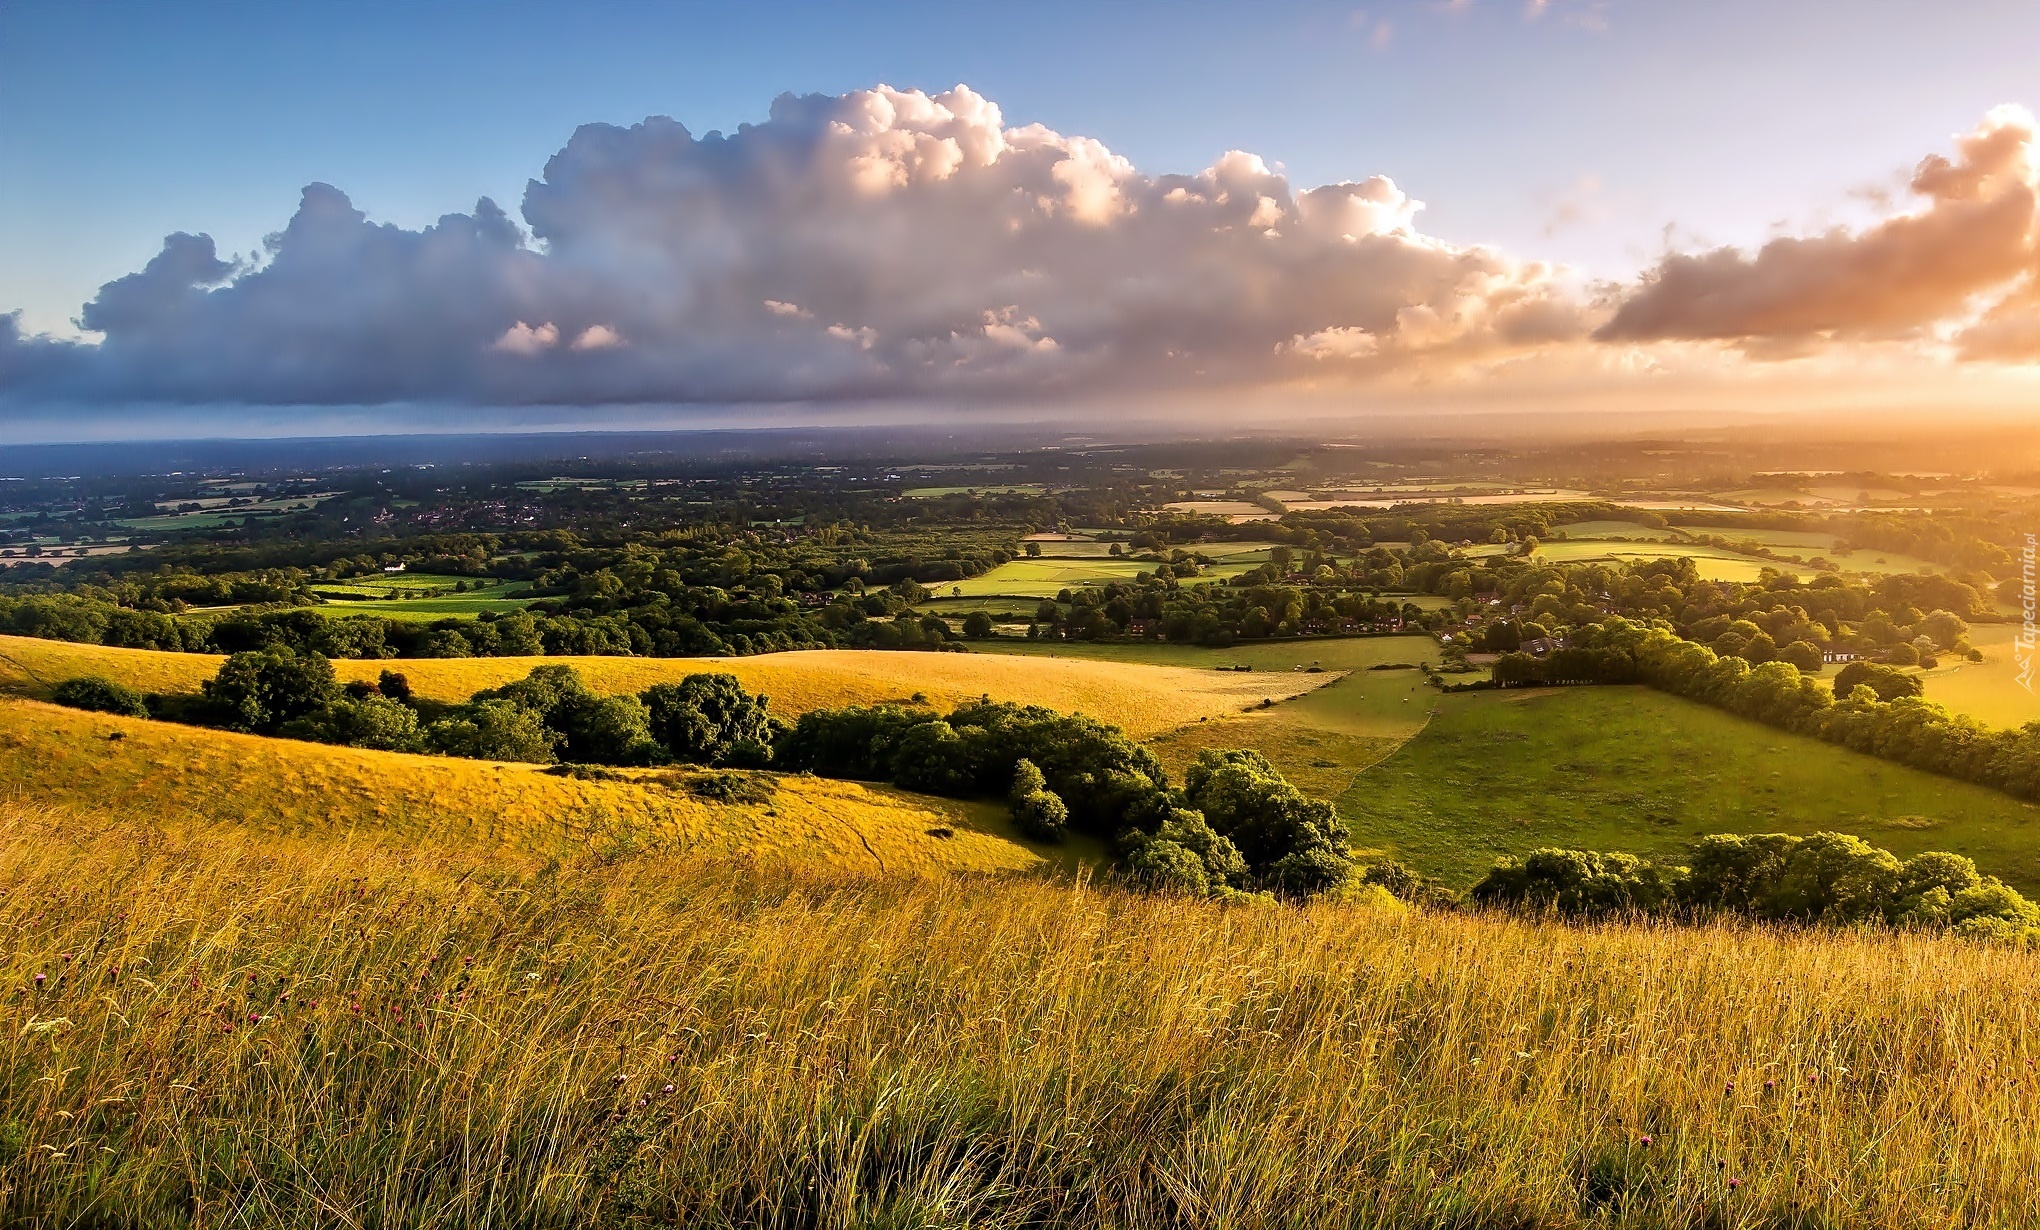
[[1731, 1086], [1645, 1142], [1734, 1183], [67, 958], [617, 1079], [1770, 1084], [39, 979], [667, 1089]]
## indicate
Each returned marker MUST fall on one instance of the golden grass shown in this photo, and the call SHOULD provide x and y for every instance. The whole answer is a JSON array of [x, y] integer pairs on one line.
[[1143, 699], [281, 787], [242, 1030]]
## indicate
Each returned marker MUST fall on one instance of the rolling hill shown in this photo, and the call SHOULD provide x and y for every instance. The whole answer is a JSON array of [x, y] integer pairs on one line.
[[281, 787], [1143, 699]]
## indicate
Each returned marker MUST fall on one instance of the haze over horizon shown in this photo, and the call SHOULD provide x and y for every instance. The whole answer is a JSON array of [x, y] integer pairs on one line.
[[1309, 212]]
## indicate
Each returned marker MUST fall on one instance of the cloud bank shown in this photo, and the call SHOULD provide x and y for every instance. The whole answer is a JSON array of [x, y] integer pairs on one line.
[[1970, 246], [889, 244]]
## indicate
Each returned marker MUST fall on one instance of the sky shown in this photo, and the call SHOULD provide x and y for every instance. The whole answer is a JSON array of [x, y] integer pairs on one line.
[[1482, 202]]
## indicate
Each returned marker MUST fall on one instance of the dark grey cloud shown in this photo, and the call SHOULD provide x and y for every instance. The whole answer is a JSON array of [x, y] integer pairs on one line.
[[879, 244]]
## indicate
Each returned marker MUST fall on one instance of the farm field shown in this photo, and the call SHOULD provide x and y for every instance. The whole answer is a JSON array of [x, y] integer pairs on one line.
[[1045, 577], [1144, 699], [1713, 563], [281, 787], [1626, 768], [403, 597], [1988, 691], [926, 493]]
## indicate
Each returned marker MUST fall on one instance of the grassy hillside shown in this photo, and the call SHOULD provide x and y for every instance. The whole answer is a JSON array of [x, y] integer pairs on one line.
[[280, 787], [1626, 768], [207, 1028], [1143, 699]]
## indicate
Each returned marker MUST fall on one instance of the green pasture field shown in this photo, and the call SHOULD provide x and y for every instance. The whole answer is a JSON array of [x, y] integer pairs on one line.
[[1626, 768], [380, 596]]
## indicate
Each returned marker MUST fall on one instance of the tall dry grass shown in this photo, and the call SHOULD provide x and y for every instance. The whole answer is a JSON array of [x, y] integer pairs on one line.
[[204, 1030]]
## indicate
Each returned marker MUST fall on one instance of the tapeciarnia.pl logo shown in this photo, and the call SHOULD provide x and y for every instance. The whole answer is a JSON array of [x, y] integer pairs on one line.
[[2023, 649]]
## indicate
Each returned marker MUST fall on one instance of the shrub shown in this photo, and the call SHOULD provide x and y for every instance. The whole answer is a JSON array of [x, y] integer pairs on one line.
[[1887, 682], [702, 717], [1037, 812], [1298, 844], [100, 696], [494, 730], [368, 721], [259, 690]]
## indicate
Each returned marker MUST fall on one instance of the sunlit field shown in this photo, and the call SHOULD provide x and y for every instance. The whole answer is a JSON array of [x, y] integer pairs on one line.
[[427, 1037], [283, 787], [1141, 698]]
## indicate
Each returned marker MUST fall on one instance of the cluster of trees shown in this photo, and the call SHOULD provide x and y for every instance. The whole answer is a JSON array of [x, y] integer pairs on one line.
[[690, 622], [548, 716], [1251, 608], [1235, 824], [1825, 878]]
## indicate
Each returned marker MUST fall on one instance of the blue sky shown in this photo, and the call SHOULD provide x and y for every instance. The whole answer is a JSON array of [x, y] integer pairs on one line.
[[122, 122]]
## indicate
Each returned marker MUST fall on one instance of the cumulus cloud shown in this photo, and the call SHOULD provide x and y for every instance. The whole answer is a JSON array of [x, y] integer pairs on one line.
[[881, 243], [1969, 246]]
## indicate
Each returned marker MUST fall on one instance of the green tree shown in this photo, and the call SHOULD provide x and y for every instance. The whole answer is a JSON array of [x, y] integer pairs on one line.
[[703, 718], [494, 730], [1887, 682], [977, 625], [259, 690]]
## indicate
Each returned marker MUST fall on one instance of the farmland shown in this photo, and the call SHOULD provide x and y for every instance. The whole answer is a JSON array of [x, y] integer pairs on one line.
[[1714, 564], [417, 597]]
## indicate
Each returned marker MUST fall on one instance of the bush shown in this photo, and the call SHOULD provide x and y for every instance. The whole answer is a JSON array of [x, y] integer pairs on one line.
[[100, 696], [369, 721], [1037, 811], [259, 690], [1887, 682], [494, 730], [1295, 844], [703, 717], [1829, 878]]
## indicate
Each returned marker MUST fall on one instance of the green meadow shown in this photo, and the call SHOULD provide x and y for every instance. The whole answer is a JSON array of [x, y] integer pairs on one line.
[[1626, 768]]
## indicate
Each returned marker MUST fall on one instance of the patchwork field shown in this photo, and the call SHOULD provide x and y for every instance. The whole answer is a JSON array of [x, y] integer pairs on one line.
[[1143, 699], [1626, 768], [280, 787]]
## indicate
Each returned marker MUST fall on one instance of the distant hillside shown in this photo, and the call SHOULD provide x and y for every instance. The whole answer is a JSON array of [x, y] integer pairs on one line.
[[1141, 698]]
